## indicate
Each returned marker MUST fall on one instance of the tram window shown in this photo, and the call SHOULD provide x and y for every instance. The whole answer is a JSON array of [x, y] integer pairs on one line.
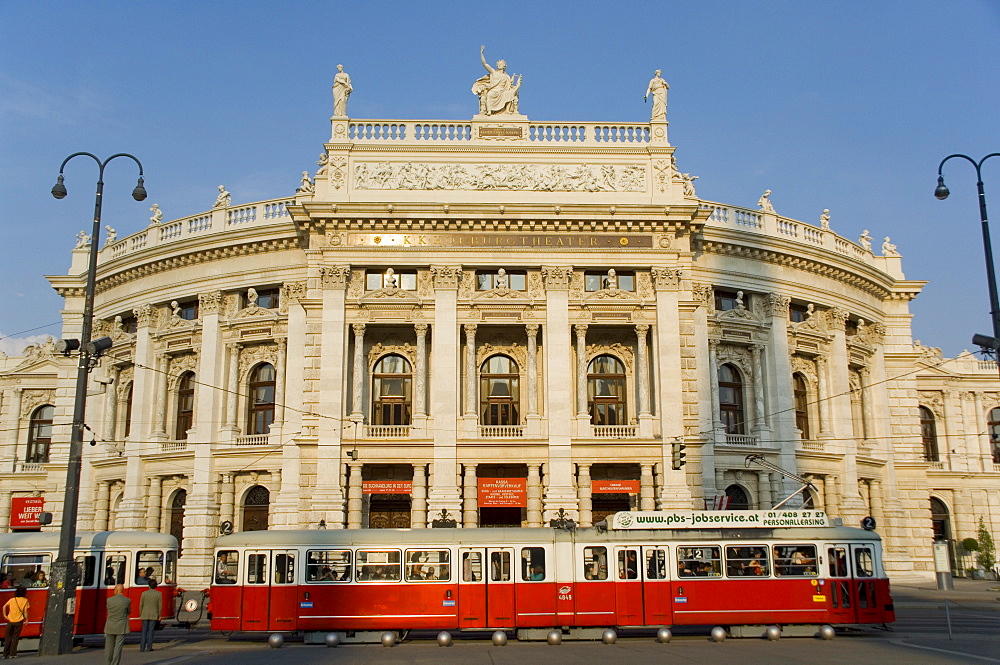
[[838, 561], [472, 566], [795, 560], [226, 567], [656, 564], [149, 565], [328, 565], [428, 565], [532, 564], [378, 566], [114, 569], [284, 568], [500, 566], [628, 565], [864, 566], [257, 569], [595, 563], [27, 570], [168, 572], [699, 561], [747, 561], [86, 568]]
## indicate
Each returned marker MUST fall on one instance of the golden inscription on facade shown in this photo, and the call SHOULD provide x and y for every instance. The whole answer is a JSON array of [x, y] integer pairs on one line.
[[506, 132], [518, 240], [255, 331]]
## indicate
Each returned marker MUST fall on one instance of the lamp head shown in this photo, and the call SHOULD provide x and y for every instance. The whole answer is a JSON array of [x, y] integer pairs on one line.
[[941, 191], [139, 193], [59, 189]]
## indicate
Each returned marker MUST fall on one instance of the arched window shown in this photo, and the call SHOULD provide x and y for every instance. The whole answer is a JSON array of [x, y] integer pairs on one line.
[[177, 516], [255, 508], [738, 499], [128, 410], [40, 435], [994, 429], [260, 413], [928, 433], [392, 393], [606, 396], [801, 397], [499, 395], [940, 520], [731, 400], [185, 405]]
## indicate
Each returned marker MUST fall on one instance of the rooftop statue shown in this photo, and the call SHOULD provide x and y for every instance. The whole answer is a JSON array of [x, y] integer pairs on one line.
[[224, 199], [341, 91], [658, 89], [157, 216], [764, 202], [497, 90]]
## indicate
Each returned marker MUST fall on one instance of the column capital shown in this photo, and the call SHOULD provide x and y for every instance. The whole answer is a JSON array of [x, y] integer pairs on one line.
[[292, 292], [531, 328], [470, 328], [334, 277], [358, 328], [778, 304], [210, 303], [143, 315], [581, 329], [666, 279], [838, 318], [421, 328], [446, 277], [641, 329], [557, 277]]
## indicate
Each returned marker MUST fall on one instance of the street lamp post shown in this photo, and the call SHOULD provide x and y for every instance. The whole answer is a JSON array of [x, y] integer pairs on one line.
[[941, 192], [57, 636]]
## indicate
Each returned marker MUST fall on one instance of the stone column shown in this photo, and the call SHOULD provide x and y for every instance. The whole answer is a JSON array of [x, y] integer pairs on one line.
[[823, 395], [876, 499], [470, 498], [279, 385], [642, 368], [13, 428], [358, 387], [831, 495], [354, 496], [581, 373], [866, 403], [560, 490], [764, 501], [420, 380], [233, 389], [154, 506], [445, 383], [532, 369], [534, 496], [471, 375], [646, 496], [418, 499], [983, 434], [227, 499], [163, 365], [760, 413], [102, 505], [585, 493], [713, 374], [111, 405]]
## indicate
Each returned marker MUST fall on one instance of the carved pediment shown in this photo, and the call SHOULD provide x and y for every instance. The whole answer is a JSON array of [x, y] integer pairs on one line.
[[738, 314], [390, 297], [256, 312], [611, 299]]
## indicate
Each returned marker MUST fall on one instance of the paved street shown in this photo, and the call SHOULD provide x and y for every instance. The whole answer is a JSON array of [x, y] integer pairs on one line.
[[920, 636]]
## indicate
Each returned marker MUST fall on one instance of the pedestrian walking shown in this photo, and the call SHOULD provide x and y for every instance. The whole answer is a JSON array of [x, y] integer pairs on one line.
[[150, 608], [16, 612], [116, 626]]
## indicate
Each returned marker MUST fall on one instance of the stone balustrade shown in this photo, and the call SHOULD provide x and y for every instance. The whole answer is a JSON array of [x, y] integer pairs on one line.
[[501, 431], [614, 431], [449, 131], [742, 440], [253, 440], [387, 431]]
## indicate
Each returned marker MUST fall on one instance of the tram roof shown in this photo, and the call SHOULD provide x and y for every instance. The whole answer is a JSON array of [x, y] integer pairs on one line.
[[514, 535], [89, 539]]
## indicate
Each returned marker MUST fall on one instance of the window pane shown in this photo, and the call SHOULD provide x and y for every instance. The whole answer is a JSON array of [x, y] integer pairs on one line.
[[484, 281], [86, 567], [378, 566], [284, 568], [532, 564], [864, 566], [27, 570], [699, 561], [114, 569], [795, 560], [517, 281], [407, 281], [226, 567], [428, 565], [748, 561], [656, 564], [628, 565], [595, 563], [328, 566], [472, 566], [257, 569], [148, 565], [592, 282], [373, 281], [626, 281], [500, 566]]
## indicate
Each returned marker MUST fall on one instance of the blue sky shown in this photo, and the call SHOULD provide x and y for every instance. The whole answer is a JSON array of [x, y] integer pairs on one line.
[[842, 105]]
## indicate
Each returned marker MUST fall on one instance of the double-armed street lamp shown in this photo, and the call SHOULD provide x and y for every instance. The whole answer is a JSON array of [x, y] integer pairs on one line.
[[57, 636], [941, 192]]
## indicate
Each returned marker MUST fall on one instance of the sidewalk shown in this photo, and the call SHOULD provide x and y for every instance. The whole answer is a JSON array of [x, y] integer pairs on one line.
[[982, 594]]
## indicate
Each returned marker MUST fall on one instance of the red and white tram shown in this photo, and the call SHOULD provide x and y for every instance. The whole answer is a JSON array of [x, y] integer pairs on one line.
[[514, 578], [103, 558]]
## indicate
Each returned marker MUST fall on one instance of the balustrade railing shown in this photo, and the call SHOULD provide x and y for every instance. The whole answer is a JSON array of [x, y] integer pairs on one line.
[[744, 440], [387, 431], [169, 446], [30, 467], [253, 440], [501, 431], [614, 431], [583, 133]]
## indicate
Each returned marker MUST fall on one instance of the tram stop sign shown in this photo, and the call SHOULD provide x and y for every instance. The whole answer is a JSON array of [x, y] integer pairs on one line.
[[868, 523]]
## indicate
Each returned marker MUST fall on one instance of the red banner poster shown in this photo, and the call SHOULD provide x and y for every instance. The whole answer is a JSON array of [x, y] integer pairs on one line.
[[503, 492], [615, 487], [24, 511], [387, 486]]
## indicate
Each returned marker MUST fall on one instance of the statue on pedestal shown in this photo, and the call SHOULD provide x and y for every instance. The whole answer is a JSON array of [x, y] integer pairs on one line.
[[497, 91], [341, 91], [658, 88]]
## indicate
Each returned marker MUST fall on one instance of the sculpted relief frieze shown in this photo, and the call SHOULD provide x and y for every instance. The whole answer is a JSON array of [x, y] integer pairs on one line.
[[513, 177]]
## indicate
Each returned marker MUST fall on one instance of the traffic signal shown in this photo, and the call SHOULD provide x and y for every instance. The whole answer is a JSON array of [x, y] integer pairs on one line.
[[679, 455]]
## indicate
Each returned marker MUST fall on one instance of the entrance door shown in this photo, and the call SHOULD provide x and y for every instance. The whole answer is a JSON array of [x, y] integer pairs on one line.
[[628, 586], [257, 592], [656, 588], [389, 511], [500, 587], [283, 594], [472, 588], [866, 608], [842, 591]]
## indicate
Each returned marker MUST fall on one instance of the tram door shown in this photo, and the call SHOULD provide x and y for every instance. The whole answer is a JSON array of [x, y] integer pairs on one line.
[[486, 588], [656, 589], [863, 558], [472, 588], [841, 592], [269, 599], [628, 587], [500, 610]]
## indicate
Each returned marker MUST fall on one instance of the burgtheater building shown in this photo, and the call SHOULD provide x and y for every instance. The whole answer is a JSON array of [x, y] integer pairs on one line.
[[493, 321]]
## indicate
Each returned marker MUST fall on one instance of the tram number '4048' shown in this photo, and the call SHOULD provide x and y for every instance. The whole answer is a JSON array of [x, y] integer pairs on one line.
[[565, 593]]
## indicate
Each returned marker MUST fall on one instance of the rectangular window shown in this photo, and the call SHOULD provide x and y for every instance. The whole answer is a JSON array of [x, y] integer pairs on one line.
[[595, 563], [727, 300], [428, 566], [377, 566], [148, 565], [114, 569], [500, 566], [328, 566], [656, 564], [795, 560], [169, 573], [86, 568], [596, 281], [864, 565], [226, 567], [699, 561], [797, 313], [532, 564], [489, 280], [472, 566], [747, 561], [28, 570], [628, 565], [405, 280], [284, 568], [837, 557], [266, 298], [256, 569], [188, 310]]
